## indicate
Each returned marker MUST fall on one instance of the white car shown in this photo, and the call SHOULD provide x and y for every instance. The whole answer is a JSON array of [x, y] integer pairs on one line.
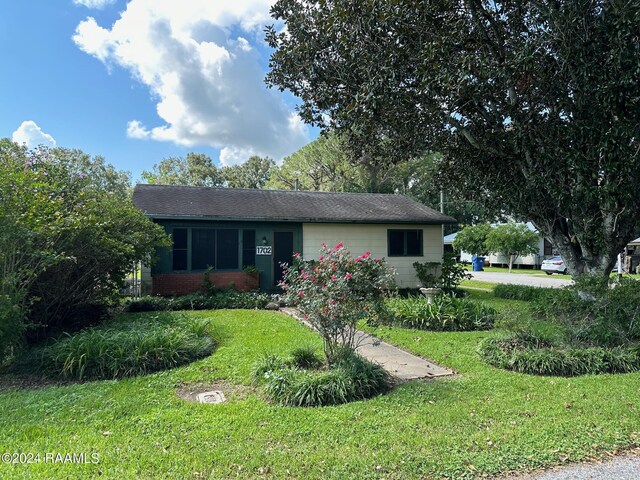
[[554, 265]]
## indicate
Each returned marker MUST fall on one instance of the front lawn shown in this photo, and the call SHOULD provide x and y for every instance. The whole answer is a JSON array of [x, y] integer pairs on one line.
[[484, 421]]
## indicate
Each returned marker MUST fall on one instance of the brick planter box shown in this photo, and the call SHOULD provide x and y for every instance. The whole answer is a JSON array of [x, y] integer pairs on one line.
[[184, 283]]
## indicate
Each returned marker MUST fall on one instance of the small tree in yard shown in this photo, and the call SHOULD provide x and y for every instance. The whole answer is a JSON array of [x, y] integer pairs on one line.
[[512, 240], [335, 292], [473, 239]]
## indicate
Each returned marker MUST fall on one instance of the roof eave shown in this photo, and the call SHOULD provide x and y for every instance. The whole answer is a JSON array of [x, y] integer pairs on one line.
[[299, 220]]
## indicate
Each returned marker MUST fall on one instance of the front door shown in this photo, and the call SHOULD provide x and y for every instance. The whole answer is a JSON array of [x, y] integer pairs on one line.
[[282, 252]]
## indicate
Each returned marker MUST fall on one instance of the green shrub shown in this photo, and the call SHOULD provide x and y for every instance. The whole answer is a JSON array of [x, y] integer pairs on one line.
[[447, 274], [12, 323], [267, 364], [522, 355], [523, 292], [118, 349], [337, 291], [350, 378], [444, 314], [609, 317], [200, 301], [368, 378], [306, 357]]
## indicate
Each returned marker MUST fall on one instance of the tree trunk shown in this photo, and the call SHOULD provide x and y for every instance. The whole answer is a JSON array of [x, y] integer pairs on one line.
[[581, 258]]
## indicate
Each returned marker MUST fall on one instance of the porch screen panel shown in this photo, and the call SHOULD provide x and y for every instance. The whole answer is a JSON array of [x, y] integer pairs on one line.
[[227, 249], [248, 248], [203, 248], [179, 236]]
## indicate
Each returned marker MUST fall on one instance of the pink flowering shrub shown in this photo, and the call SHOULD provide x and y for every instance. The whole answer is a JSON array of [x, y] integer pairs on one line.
[[335, 292]]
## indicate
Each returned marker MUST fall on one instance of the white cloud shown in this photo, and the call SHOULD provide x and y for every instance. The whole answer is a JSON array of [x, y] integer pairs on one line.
[[205, 76], [30, 134], [94, 3], [235, 155], [135, 129]]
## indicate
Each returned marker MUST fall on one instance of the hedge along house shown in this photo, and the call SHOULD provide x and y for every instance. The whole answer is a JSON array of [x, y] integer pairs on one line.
[[231, 229]]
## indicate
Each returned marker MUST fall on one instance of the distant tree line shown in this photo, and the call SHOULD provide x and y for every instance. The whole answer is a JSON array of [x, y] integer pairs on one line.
[[326, 165]]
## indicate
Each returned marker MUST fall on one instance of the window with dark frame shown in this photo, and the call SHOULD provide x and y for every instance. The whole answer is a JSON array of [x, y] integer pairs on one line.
[[219, 248], [248, 248], [203, 248], [227, 249], [404, 243], [179, 236]]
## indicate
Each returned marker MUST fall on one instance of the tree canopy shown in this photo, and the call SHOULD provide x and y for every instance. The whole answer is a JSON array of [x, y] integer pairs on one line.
[[473, 239], [512, 240], [534, 106], [254, 173], [69, 236], [196, 169]]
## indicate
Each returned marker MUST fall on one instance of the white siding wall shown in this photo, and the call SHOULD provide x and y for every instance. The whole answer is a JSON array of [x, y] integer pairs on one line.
[[360, 238]]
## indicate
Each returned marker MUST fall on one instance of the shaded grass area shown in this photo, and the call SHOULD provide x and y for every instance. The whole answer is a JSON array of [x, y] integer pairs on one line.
[[484, 421]]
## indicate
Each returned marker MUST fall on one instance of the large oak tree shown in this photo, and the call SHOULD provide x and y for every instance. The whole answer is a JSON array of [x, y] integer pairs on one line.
[[534, 105]]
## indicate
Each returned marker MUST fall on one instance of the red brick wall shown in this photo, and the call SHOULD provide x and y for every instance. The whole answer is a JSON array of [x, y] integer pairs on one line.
[[183, 283]]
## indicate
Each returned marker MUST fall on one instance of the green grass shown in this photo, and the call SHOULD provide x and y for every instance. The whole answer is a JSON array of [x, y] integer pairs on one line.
[[484, 421], [478, 284], [125, 347]]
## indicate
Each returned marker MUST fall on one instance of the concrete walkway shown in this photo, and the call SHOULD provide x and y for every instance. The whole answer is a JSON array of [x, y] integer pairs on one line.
[[402, 365], [522, 279]]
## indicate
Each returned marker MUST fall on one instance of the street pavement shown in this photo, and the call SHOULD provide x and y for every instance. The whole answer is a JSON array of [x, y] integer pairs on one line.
[[625, 467], [552, 281]]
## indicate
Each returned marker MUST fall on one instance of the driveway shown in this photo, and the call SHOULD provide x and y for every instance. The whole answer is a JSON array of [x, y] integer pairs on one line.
[[521, 279]]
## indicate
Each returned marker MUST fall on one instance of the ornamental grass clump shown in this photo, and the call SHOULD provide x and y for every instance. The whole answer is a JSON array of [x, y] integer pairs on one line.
[[445, 313], [335, 292], [594, 330], [349, 379], [123, 349]]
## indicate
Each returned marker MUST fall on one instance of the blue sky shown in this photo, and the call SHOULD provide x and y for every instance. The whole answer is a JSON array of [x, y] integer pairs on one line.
[[140, 80]]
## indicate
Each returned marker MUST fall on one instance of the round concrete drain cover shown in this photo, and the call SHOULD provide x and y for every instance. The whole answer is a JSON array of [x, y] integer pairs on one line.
[[215, 396]]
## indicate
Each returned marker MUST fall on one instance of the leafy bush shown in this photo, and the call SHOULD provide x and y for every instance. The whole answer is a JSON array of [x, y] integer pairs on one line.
[[306, 357], [522, 292], [446, 275], [589, 329], [349, 378], [201, 301], [599, 317], [69, 235], [123, 349], [368, 378], [444, 314], [267, 364], [336, 291], [12, 323], [513, 353]]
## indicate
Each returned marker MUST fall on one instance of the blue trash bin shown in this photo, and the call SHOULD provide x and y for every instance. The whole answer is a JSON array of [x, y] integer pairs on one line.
[[477, 263]]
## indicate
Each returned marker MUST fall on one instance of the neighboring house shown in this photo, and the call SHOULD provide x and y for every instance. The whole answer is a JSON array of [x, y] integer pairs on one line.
[[229, 229], [545, 250], [631, 260]]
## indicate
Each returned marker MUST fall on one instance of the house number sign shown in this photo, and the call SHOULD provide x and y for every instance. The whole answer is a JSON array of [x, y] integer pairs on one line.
[[263, 250]]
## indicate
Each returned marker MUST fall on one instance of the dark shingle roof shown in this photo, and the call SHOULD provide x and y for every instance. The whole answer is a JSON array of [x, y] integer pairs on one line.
[[169, 201]]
